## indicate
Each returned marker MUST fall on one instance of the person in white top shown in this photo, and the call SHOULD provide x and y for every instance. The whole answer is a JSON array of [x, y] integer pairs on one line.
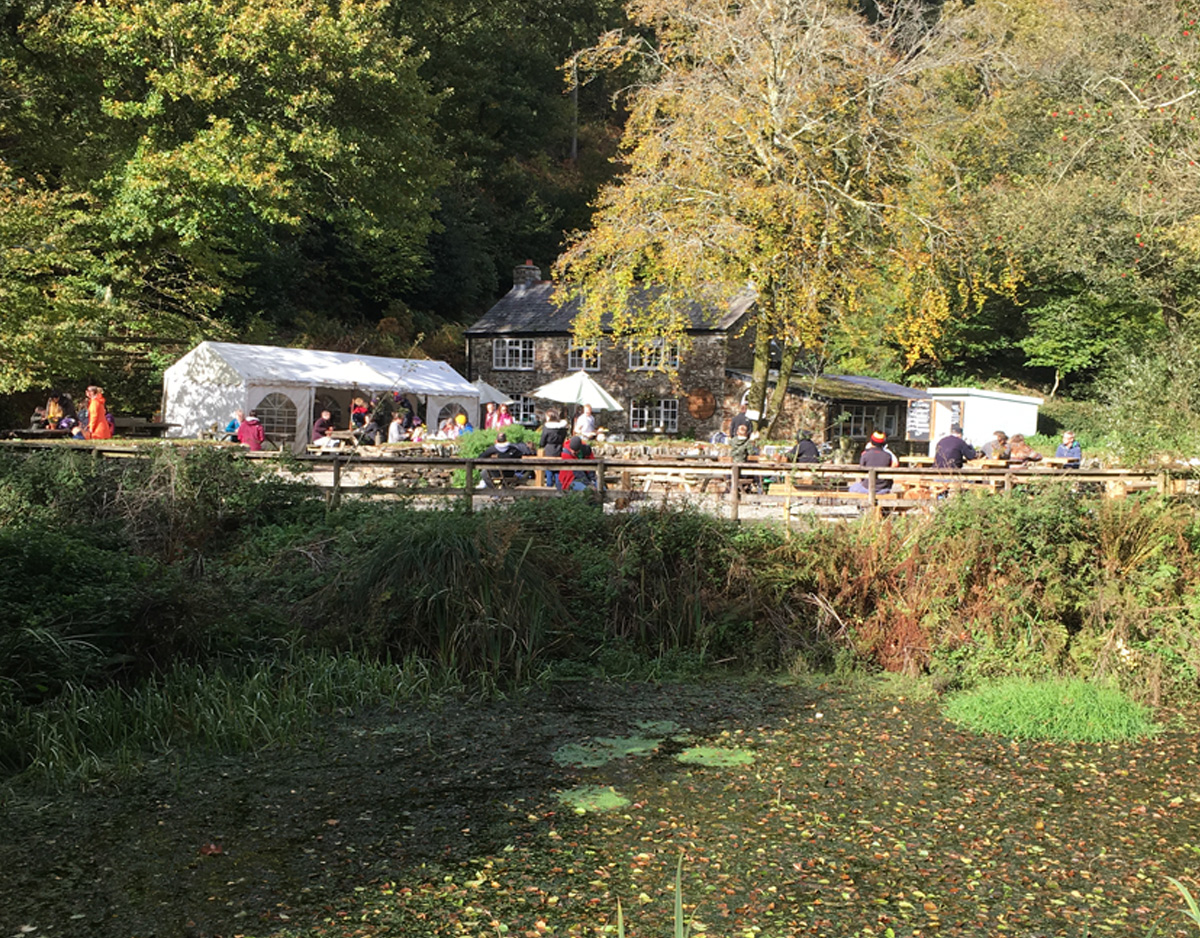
[[585, 423]]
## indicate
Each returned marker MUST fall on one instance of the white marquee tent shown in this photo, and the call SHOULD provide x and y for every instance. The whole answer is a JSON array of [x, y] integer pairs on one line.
[[289, 386]]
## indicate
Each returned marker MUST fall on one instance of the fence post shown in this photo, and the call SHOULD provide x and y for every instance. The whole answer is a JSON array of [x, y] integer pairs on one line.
[[600, 486], [735, 490], [335, 496], [872, 501], [469, 486]]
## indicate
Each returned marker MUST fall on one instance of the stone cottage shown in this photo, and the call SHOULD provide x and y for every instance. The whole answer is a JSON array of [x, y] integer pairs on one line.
[[525, 341]]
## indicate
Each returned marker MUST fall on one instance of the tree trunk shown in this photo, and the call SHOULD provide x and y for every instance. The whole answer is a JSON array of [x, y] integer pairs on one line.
[[787, 364], [762, 366]]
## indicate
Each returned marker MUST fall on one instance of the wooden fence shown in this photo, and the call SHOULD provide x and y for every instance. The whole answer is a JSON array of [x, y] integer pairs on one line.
[[759, 489]]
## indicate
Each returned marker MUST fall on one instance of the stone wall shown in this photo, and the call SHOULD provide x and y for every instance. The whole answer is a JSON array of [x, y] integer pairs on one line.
[[701, 368]]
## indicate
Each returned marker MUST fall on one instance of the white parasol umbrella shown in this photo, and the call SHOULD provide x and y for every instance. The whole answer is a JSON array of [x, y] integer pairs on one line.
[[488, 393], [578, 388]]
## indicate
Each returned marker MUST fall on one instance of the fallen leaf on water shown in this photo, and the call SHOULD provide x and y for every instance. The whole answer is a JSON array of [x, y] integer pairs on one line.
[[211, 850]]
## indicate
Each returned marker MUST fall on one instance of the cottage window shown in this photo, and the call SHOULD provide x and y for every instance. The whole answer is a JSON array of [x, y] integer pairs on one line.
[[277, 413], [857, 421], [654, 416], [512, 354], [523, 411], [653, 354], [583, 358]]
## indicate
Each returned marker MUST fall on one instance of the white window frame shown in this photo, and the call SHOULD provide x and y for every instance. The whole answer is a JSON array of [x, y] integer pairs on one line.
[[661, 416], [278, 414], [649, 355], [863, 418], [583, 358], [512, 354], [524, 411]]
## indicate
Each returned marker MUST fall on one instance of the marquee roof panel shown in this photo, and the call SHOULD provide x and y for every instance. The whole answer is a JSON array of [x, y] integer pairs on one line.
[[267, 365]]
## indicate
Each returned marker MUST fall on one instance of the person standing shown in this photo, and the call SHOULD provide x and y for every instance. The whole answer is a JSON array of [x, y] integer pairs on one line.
[[1070, 450], [876, 456], [504, 418], [740, 420], [952, 450], [251, 434], [98, 426], [554, 435], [490, 415], [585, 423]]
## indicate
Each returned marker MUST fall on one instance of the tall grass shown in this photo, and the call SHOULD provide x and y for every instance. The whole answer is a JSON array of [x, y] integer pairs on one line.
[[88, 733]]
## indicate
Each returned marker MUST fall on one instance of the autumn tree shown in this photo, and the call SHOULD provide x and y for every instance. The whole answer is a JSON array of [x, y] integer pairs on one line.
[[788, 146]]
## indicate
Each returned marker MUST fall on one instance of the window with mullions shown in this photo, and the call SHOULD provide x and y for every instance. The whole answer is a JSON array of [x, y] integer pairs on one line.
[[583, 358], [524, 412], [654, 416], [653, 354], [512, 354], [859, 420], [277, 413]]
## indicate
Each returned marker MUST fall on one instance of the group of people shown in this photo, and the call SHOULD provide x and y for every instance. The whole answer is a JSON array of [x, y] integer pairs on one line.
[[91, 421], [952, 451]]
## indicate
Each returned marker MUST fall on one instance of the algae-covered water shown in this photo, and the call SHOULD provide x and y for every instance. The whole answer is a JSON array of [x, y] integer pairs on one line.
[[798, 810]]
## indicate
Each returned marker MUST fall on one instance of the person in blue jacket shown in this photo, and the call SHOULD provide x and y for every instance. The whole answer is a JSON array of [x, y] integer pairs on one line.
[[1069, 449]]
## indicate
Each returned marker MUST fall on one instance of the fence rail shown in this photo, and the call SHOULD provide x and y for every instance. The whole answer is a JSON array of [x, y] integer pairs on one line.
[[716, 484]]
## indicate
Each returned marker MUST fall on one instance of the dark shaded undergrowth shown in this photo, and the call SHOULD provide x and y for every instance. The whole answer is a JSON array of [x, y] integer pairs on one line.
[[123, 572]]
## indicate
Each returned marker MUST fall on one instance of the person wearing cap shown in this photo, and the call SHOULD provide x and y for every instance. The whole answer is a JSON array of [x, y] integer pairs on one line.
[[569, 480], [876, 456], [952, 450], [464, 425]]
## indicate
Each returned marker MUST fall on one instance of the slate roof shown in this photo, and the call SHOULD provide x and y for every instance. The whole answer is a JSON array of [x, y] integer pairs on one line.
[[847, 388], [530, 310]]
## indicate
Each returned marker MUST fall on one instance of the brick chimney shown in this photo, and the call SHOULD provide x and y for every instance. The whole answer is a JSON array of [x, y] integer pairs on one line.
[[526, 274]]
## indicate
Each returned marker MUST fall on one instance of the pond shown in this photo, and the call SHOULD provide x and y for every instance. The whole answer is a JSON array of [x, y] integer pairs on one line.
[[808, 809]]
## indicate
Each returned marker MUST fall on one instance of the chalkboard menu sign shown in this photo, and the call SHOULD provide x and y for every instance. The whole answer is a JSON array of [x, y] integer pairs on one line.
[[917, 426]]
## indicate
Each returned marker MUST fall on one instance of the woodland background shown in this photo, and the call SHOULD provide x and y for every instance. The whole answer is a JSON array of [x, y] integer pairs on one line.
[[923, 191]]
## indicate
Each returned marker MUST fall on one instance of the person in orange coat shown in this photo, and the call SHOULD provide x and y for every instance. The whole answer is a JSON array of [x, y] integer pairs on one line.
[[98, 426]]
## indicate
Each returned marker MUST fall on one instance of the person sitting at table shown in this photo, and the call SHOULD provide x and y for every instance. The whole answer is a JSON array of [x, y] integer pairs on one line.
[[319, 425], [231, 428], [501, 449], [54, 410], [570, 480], [1019, 449], [876, 455], [251, 434], [396, 431], [416, 432], [464, 425], [805, 449], [358, 413], [37, 420], [328, 441], [1069, 450], [997, 448], [952, 450]]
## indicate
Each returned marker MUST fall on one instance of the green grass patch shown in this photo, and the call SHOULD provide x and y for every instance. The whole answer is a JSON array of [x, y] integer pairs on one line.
[[1062, 710], [603, 750]]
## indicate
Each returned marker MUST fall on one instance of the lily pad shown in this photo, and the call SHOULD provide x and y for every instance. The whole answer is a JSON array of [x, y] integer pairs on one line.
[[715, 756], [658, 727], [602, 750], [594, 798]]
